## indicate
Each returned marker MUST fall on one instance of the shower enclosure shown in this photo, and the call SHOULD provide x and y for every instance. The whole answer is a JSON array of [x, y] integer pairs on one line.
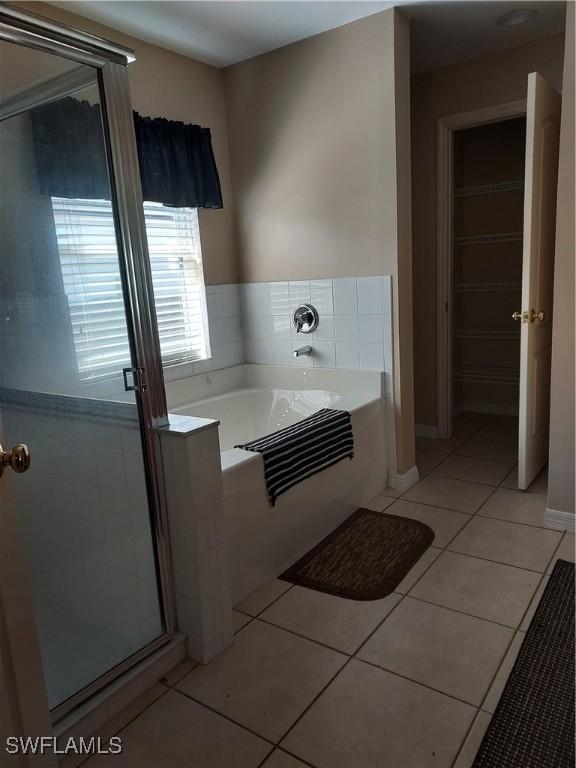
[[80, 369]]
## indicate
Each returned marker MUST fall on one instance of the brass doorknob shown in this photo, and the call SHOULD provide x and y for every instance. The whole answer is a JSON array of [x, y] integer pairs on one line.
[[522, 316], [536, 315], [18, 458]]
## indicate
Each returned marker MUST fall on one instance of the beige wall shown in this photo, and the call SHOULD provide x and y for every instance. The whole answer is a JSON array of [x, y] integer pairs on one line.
[[312, 145], [313, 133], [562, 459], [482, 82], [166, 84]]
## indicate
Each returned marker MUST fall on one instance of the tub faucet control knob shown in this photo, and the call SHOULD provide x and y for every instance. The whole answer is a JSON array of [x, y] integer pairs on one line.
[[305, 318]]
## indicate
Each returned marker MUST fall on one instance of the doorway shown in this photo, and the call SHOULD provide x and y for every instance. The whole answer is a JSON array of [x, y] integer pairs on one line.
[[488, 209], [479, 154]]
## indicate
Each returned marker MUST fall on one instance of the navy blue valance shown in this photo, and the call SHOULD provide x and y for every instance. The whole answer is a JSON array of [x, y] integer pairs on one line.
[[177, 164]]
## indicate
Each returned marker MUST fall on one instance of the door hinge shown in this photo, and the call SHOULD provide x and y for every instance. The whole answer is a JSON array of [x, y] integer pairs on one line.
[[138, 379]]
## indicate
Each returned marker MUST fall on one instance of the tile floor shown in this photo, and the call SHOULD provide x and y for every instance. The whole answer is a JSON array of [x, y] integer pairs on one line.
[[409, 681]]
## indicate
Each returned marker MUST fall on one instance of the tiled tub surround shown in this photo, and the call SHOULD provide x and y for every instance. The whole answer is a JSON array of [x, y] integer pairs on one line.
[[355, 328], [85, 523], [252, 323], [253, 400], [223, 306], [191, 457]]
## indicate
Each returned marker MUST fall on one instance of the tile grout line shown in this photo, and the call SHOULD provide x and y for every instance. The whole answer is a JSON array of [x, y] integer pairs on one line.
[[266, 757], [496, 562], [295, 756], [517, 522], [417, 682], [315, 699], [466, 735], [252, 618], [435, 506], [305, 637], [220, 714], [462, 613]]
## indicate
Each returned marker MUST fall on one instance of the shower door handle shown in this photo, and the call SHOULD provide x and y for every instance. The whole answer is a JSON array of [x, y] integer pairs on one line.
[[18, 458], [137, 374]]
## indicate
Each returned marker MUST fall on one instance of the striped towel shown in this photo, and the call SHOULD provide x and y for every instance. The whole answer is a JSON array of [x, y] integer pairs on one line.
[[295, 453]]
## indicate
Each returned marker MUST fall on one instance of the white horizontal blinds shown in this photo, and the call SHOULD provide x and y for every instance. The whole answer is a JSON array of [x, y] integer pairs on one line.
[[176, 259], [89, 260], [88, 256]]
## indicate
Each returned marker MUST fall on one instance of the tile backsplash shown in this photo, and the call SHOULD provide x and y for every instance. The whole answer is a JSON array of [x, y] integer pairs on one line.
[[225, 327], [252, 323], [354, 330]]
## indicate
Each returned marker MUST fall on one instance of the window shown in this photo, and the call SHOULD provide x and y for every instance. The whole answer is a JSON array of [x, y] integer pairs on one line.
[[88, 256]]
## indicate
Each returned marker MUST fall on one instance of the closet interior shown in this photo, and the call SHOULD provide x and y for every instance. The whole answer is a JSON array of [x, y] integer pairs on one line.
[[487, 265]]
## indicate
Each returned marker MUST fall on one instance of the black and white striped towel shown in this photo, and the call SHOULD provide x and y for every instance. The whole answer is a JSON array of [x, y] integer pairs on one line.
[[295, 453]]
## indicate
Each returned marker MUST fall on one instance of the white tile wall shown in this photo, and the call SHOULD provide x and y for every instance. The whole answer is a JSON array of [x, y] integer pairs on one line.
[[225, 329], [87, 536], [252, 322], [355, 328], [199, 556], [354, 331]]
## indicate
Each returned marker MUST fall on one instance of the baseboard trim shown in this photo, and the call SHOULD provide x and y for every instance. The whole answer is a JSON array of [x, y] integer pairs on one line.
[[429, 431], [402, 482], [560, 521]]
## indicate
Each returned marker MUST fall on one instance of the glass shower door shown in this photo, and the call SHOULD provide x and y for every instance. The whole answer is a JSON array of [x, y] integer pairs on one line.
[[83, 505]]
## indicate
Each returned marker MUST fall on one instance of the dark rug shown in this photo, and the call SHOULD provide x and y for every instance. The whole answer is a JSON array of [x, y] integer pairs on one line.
[[365, 558], [533, 725]]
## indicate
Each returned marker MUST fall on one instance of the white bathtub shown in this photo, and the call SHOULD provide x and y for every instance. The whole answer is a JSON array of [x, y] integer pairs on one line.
[[254, 400]]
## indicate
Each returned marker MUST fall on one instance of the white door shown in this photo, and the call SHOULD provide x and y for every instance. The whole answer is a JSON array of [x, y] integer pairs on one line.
[[542, 138]]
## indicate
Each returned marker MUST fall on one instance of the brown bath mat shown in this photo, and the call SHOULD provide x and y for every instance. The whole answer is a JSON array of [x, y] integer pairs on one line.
[[365, 558]]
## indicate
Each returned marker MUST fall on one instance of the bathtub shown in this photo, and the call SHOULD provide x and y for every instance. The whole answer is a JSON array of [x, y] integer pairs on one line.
[[254, 400]]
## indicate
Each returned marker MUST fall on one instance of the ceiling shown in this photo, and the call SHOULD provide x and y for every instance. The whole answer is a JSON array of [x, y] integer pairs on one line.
[[228, 31], [444, 33]]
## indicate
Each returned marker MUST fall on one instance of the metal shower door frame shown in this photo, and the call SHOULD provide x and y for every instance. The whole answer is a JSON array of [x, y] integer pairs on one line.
[[111, 61]]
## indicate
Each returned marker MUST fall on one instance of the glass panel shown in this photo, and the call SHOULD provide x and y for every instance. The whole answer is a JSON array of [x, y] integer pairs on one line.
[[83, 505]]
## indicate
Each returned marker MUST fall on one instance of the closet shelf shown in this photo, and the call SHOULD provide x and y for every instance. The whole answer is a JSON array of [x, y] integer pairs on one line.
[[484, 189], [487, 333], [474, 374], [486, 287], [499, 237]]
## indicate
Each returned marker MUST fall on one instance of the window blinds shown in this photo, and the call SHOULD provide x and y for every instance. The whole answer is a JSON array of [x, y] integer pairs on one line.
[[88, 257]]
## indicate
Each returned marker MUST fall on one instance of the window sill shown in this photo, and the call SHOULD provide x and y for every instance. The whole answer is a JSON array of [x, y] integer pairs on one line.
[[177, 371]]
